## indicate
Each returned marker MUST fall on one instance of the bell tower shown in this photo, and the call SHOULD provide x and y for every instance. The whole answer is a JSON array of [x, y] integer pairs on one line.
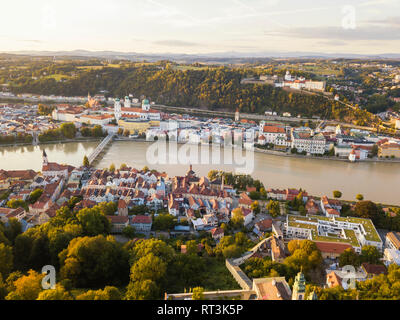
[[117, 109], [299, 287], [45, 160]]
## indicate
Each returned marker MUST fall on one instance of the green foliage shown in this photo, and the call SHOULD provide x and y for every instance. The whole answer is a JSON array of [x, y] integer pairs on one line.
[[164, 222], [18, 138], [16, 203], [66, 131], [198, 293], [142, 290], [305, 256], [274, 208], [35, 195], [12, 230], [255, 206], [26, 287], [337, 194], [94, 262], [349, 257], [6, 260], [96, 131], [212, 88], [129, 232], [108, 293], [233, 246], [45, 110], [93, 221], [370, 254], [86, 161], [237, 220], [57, 294]]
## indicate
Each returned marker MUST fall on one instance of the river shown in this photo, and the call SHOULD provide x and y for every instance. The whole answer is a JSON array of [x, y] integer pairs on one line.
[[379, 182]]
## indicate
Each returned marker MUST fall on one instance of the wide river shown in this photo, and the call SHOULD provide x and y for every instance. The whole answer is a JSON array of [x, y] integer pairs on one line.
[[379, 182]]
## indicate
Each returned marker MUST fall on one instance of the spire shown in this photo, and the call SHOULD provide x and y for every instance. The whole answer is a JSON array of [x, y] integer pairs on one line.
[[45, 160], [299, 287]]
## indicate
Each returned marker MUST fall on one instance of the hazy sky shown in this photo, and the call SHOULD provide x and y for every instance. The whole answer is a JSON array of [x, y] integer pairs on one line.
[[202, 26]]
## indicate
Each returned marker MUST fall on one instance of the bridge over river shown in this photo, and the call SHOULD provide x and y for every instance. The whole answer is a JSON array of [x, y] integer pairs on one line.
[[100, 148]]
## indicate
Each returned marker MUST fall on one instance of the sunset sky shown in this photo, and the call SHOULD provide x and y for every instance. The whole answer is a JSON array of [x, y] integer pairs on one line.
[[207, 26]]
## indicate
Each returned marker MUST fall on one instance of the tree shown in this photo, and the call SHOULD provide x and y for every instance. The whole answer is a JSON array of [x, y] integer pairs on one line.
[[94, 262], [274, 208], [349, 257], [337, 194], [359, 197], [86, 161], [68, 130], [112, 167], [59, 293], [13, 229], [148, 267], [123, 166], [255, 206], [366, 210], [192, 247], [27, 287], [129, 232], [109, 293], [237, 218], [154, 246], [305, 255], [17, 203], [35, 195], [370, 254], [142, 290], [198, 293], [302, 210], [93, 222], [6, 260], [3, 288], [164, 222]]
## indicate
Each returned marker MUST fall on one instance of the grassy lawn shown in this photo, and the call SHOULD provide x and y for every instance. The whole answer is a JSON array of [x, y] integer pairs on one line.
[[185, 68], [58, 77], [218, 277]]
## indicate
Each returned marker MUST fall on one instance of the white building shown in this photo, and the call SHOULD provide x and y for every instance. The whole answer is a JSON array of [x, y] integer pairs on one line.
[[271, 132], [303, 141]]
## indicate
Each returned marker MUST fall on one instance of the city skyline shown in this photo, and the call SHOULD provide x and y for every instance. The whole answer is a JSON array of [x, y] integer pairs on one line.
[[158, 26]]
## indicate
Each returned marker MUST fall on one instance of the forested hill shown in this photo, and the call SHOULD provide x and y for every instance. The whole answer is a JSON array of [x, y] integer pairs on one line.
[[211, 88]]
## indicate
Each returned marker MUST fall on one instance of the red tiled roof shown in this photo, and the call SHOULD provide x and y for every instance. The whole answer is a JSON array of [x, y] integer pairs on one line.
[[141, 219], [332, 247]]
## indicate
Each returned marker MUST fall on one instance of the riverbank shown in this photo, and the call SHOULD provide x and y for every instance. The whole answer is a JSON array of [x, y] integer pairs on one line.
[[288, 155], [51, 142]]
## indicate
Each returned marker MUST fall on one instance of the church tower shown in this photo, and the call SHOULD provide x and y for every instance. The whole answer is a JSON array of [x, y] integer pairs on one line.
[[45, 160], [127, 103], [299, 287], [145, 105], [117, 109]]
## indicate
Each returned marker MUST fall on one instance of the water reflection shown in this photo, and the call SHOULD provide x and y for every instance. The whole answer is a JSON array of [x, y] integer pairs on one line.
[[379, 182]]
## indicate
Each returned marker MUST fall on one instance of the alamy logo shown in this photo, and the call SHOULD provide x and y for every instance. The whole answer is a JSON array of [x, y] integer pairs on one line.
[[349, 18], [349, 277], [49, 280]]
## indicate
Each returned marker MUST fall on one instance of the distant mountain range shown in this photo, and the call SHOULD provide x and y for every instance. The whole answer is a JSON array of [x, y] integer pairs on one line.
[[209, 57]]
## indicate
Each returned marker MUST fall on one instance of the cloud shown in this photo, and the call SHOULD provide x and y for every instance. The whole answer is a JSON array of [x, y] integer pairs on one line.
[[338, 33], [176, 43], [333, 43], [31, 41], [393, 22]]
